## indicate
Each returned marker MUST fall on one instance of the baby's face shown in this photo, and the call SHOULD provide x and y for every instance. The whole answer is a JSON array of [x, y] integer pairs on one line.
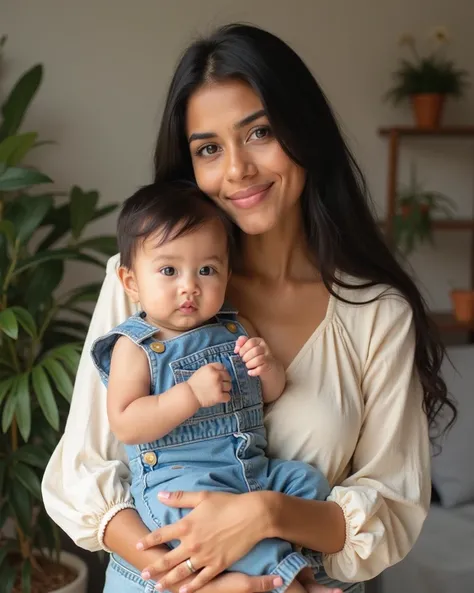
[[181, 284]]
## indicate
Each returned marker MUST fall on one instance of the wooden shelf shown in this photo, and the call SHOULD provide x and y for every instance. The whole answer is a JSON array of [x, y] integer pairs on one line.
[[447, 225], [460, 131], [447, 322]]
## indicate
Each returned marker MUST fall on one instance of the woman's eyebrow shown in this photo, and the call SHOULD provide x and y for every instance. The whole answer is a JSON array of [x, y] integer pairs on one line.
[[240, 124]]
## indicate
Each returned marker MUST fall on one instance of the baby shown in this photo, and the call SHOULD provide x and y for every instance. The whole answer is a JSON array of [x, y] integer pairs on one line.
[[187, 377]]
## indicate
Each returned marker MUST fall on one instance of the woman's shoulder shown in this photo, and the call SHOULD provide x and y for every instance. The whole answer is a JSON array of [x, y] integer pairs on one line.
[[362, 303]]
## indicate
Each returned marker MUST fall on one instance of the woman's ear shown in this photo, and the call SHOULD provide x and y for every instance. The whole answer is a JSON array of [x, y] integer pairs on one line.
[[129, 283]]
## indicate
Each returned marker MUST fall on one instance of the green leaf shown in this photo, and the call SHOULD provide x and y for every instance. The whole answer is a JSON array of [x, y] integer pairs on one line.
[[61, 379], [33, 455], [82, 208], [28, 213], [69, 355], [42, 282], [7, 577], [3, 467], [14, 148], [23, 406], [26, 476], [45, 396], [9, 410], [87, 293], [7, 228], [106, 245], [20, 505], [8, 323], [26, 576], [18, 101], [56, 254], [26, 320], [5, 387], [104, 211], [4, 515], [59, 219], [15, 178]]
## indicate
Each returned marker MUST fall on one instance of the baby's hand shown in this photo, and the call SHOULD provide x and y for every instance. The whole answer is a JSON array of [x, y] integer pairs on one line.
[[211, 385], [256, 355]]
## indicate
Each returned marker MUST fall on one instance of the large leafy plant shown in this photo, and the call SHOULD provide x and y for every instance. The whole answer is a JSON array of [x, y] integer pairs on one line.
[[430, 73], [42, 328]]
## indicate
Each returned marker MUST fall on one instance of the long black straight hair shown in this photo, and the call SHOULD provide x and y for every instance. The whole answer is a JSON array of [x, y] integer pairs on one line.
[[338, 221]]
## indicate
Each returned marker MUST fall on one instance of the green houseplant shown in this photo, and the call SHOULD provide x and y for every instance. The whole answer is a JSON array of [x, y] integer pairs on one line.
[[42, 329], [427, 80], [416, 207]]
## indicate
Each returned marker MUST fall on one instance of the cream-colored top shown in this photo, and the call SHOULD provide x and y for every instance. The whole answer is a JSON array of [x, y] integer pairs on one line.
[[352, 407]]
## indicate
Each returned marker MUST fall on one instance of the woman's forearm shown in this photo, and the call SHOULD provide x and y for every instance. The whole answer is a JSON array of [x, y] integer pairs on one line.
[[313, 524], [121, 535]]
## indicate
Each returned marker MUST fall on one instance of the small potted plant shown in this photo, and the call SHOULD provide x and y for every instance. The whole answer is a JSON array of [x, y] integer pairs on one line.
[[426, 80], [42, 330], [416, 207]]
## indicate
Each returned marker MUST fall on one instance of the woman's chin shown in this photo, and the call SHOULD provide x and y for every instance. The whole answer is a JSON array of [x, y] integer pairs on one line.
[[255, 225]]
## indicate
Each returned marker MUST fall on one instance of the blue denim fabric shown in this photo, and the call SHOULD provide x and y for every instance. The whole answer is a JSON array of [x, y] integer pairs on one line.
[[219, 448]]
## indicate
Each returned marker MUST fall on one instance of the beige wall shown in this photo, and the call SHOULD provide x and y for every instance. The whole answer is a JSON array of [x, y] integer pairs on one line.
[[108, 63]]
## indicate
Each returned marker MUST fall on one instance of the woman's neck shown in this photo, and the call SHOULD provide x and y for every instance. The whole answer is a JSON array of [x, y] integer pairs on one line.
[[280, 255]]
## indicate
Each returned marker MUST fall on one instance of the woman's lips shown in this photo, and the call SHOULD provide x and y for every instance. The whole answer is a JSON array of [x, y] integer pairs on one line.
[[247, 198]]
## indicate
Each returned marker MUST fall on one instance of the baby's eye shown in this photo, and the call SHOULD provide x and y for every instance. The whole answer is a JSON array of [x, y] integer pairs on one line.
[[168, 271], [207, 271]]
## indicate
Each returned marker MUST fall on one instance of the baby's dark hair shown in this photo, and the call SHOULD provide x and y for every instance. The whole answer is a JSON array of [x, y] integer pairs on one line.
[[173, 208]]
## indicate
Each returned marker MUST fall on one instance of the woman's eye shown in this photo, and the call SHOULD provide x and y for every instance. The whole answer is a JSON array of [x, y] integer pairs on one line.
[[261, 132], [168, 271], [208, 150], [207, 271]]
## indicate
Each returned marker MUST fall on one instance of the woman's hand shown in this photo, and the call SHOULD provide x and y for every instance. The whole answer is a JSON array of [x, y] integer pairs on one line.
[[221, 529], [236, 582]]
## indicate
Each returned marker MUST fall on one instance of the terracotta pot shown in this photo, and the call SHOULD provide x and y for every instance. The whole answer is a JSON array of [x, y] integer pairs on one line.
[[463, 304], [428, 108]]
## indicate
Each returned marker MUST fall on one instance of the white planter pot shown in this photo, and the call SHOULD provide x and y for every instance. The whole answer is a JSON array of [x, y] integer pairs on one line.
[[79, 585]]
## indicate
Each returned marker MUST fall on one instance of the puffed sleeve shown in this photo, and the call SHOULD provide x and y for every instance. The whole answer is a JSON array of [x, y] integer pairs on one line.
[[86, 480], [385, 500]]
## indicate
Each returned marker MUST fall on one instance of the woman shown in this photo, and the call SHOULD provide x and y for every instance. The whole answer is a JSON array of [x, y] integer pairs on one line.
[[246, 120]]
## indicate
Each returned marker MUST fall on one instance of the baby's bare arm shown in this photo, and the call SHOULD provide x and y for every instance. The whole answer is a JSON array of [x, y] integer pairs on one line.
[[135, 416]]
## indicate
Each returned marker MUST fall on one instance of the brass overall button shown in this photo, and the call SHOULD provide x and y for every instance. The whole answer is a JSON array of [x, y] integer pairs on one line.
[[231, 327], [150, 458], [157, 347]]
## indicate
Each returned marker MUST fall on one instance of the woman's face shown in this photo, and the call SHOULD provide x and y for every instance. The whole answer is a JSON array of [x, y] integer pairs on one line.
[[237, 160]]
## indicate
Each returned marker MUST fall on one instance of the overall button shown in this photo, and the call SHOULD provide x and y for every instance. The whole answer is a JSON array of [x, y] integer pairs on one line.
[[231, 327], [157, 347], [150, 458]]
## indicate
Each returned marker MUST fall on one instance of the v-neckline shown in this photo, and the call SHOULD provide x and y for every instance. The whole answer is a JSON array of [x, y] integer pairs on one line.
[[314, 336]]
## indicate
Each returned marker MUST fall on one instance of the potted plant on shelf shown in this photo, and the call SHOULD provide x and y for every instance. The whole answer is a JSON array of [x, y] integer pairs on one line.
[[416, 207], [427, 80], [42, 330]]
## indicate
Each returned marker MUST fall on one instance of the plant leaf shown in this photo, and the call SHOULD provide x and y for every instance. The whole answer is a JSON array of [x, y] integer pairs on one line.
[[28, 214], [61, 379], [25, 319], [45, 396], [3, 467], [23, 406], [54, 254], [33, 455], [42, 282], [20, 505], [106, 245], [82, 208], [7, 228], [9, 410], [7, 577], [9, 324], [26, 476], [26, 576], [5, 387], [14, 148], [15, 178], [19, 99], [69, 355]]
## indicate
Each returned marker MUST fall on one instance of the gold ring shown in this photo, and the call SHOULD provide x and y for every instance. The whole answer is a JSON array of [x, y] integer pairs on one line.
[[189, 564]]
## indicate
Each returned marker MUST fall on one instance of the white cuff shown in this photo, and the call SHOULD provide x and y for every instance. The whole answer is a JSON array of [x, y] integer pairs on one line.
[[107, 517]]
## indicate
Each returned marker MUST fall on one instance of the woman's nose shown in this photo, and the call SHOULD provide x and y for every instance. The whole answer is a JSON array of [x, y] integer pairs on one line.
[[239, 165]]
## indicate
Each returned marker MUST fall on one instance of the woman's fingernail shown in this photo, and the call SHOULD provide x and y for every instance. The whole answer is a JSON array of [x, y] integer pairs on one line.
[[183, 589], [159, 587], [278, 582], [140, 546], [164, 494], [146, 575]]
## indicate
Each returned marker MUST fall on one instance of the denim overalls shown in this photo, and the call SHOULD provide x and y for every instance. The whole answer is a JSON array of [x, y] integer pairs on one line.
[[219, 448]]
